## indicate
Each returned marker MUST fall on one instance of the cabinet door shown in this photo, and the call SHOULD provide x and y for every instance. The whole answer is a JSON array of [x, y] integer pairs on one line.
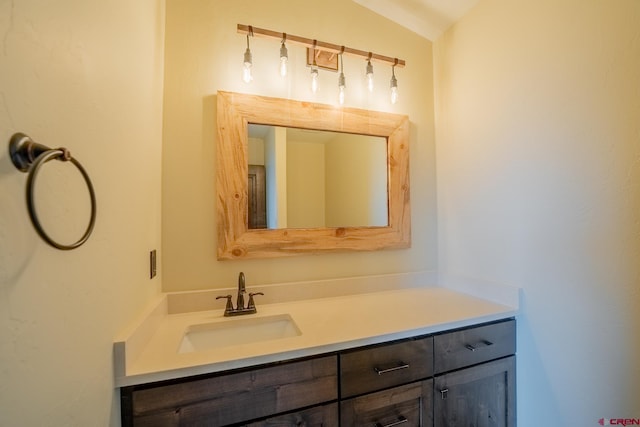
[[406, 406], [480, 396]]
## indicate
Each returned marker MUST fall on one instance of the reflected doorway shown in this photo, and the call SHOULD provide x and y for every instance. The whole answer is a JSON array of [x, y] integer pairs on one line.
[[257, 197]]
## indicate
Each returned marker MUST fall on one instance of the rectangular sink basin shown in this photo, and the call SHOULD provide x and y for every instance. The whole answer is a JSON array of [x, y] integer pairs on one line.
[[207, 336]]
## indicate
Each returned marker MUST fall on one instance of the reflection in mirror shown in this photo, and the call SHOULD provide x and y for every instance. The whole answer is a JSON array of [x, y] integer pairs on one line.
[[236, 240], [301, 178]]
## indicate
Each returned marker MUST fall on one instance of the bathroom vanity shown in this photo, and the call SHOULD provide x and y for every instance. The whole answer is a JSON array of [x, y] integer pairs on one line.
[[459, 377], [446, 359]]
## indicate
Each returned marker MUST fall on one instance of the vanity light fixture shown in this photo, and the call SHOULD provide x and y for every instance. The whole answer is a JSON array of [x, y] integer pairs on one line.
[[341, 82], [369, 74], [284, 56], [314, 71], [320, 48], [394, 85], [246, 69]]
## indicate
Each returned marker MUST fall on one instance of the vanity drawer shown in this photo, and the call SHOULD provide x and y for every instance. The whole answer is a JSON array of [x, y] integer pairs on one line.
[[407, 406], [384, 366], [318, 416], [237, 397], [454, 350]]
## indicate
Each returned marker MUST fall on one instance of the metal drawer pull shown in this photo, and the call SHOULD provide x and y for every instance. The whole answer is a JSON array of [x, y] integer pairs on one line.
[[401, 365], [443, 393], [401, 420], [483, 343]]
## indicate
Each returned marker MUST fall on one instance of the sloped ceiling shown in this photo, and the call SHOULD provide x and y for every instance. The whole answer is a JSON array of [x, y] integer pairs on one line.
[[428, 18]]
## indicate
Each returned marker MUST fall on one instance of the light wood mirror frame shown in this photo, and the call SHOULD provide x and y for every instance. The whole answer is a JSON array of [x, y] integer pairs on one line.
[[236, 241]]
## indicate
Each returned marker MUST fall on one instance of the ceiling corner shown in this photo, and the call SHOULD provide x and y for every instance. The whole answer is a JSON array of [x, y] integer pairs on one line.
[[427, 18]]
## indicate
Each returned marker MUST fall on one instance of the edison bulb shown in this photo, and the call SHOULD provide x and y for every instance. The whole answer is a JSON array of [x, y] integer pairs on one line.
[[314, 80], [394, 89], [246, 68], [369, 75], [246, 73], [394, 94], [284, 58]]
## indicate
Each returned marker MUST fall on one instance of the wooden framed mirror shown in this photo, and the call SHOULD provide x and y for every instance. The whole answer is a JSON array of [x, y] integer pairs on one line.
[[237, 241]]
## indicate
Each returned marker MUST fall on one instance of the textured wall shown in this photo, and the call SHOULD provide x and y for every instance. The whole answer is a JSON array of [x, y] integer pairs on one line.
[[538, 142], [204, 55], [86, 75]]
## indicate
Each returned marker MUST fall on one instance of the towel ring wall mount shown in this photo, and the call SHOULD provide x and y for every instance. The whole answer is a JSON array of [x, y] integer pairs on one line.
[[28, 156]]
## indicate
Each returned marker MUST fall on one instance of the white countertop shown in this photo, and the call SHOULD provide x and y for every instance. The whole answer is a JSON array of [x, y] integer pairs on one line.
[[326, 324]]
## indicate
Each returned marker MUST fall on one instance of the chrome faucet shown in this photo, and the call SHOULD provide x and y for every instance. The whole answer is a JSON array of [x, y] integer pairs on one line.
[[240, 308]]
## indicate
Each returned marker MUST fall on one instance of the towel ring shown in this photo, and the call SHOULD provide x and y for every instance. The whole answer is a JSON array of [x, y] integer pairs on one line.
[[28, 156]]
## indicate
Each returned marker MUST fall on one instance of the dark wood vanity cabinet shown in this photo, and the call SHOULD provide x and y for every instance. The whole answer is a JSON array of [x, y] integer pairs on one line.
[[475, 376], [235, 398], [317, 416], [463, 377], [482, 396], [387, 385]]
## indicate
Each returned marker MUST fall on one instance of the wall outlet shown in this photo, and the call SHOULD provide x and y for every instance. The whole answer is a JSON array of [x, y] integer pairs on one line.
[[152, 264]]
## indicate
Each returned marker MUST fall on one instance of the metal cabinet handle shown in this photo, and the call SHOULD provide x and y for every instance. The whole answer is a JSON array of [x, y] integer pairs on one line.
[[443, 393], [483, 343], [401, 420], [401, 365]]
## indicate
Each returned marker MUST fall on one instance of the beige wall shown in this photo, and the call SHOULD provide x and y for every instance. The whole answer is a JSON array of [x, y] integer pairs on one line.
[[305, 184], [538, 130], [204, 54], [356, 181], [88, 76], [276, 177]]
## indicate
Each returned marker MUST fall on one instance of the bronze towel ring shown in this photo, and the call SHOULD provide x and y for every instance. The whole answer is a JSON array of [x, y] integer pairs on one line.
[[28, 156]]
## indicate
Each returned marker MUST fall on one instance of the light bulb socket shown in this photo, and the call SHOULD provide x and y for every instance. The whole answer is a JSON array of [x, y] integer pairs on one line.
[[284, 53], [341, 80], [369, 69], [394, 82], [247, 57]]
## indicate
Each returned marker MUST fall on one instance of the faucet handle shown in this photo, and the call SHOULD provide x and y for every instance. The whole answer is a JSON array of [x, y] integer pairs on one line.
[[229, 306], [252, 304]]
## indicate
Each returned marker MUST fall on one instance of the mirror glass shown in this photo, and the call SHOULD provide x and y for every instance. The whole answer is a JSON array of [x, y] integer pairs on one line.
[[304, 178], [385, 224]]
